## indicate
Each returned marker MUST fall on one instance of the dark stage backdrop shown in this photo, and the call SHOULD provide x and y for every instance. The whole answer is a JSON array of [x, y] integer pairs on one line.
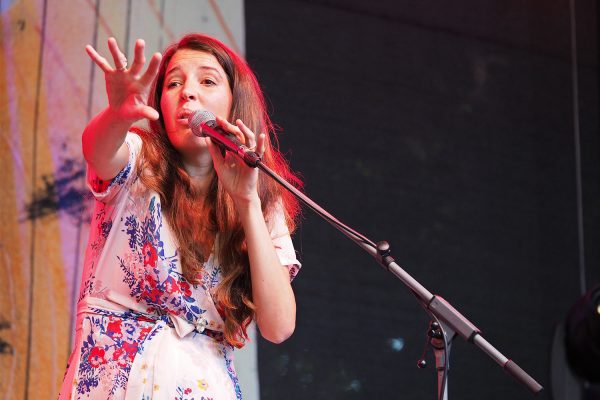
[[448, 130]]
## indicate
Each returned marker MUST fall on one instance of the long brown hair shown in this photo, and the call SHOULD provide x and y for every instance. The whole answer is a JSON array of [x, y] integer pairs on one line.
[[195, 225]]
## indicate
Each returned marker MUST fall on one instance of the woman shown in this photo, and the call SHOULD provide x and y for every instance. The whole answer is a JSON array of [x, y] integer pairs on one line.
[[187, 245]]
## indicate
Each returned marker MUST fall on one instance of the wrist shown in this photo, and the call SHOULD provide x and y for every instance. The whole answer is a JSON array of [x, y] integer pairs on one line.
[[244, 206]]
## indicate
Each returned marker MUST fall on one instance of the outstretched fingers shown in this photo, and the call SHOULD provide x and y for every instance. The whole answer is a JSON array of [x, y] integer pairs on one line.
[[152, 70], [118, 57], [98, 59], [138, 58]]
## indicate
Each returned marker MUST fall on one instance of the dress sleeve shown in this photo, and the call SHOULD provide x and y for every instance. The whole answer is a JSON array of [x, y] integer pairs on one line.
[[106, 191], [280, 235]]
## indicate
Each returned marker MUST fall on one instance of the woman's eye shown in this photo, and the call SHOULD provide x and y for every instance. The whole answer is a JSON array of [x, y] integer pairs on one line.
[[208, 81], [173, 84]]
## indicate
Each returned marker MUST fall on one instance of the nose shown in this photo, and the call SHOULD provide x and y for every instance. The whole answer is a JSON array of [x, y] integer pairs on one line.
[[189, 92]]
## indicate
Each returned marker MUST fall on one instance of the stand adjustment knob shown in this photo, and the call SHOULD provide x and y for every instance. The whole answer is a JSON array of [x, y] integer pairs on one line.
[[383, 248]]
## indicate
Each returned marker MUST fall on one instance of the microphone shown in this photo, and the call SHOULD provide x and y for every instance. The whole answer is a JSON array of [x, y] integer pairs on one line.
[[203, 123]]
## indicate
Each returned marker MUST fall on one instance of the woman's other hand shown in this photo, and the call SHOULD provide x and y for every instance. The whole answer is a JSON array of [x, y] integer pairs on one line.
[[238, 179]]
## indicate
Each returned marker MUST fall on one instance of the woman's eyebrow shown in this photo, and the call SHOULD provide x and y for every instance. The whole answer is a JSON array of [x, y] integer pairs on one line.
[[207, 67], [169, 72], [203, 67]]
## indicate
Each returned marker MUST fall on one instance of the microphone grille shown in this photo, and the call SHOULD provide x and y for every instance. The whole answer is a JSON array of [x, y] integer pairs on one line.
[[199, 118]]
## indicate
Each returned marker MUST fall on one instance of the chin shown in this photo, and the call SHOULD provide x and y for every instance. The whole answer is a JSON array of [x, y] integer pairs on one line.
[[191, 147], [184, 138]]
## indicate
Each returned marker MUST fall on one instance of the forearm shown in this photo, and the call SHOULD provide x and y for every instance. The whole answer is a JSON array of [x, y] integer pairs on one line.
[[103, 144], [271, 290]]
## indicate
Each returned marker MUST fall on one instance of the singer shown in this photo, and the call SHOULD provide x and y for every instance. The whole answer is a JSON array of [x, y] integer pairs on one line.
[[187, 246]]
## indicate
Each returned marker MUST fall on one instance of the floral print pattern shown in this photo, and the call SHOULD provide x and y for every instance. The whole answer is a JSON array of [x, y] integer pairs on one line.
[[109, 350], [143, 331]]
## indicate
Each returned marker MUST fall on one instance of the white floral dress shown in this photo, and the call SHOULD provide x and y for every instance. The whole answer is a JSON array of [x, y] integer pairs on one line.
[[143, 332]]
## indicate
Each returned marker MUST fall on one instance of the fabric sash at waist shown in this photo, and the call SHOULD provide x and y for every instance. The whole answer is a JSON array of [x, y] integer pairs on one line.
[[98, 306]]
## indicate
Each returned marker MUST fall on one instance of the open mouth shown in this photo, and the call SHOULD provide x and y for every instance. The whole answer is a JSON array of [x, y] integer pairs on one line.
[[183, 115]]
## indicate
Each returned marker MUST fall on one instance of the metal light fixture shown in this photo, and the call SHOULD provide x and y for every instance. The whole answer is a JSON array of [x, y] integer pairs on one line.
[[576, 351]]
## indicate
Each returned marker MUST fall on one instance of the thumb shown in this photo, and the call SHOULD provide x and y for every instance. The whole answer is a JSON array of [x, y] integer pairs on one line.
[[215, 152], [150, 113]]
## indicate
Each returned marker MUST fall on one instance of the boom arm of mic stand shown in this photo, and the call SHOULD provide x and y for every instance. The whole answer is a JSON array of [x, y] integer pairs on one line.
[[436, 305]]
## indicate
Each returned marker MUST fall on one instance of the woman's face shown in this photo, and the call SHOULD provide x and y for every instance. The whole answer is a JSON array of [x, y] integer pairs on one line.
[[194, 80]]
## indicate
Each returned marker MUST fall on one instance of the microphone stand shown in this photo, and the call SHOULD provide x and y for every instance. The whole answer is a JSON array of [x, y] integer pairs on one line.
[[447, 321]]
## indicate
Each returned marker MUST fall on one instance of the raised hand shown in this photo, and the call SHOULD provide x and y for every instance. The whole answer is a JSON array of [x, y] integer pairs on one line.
[[128, 88]]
